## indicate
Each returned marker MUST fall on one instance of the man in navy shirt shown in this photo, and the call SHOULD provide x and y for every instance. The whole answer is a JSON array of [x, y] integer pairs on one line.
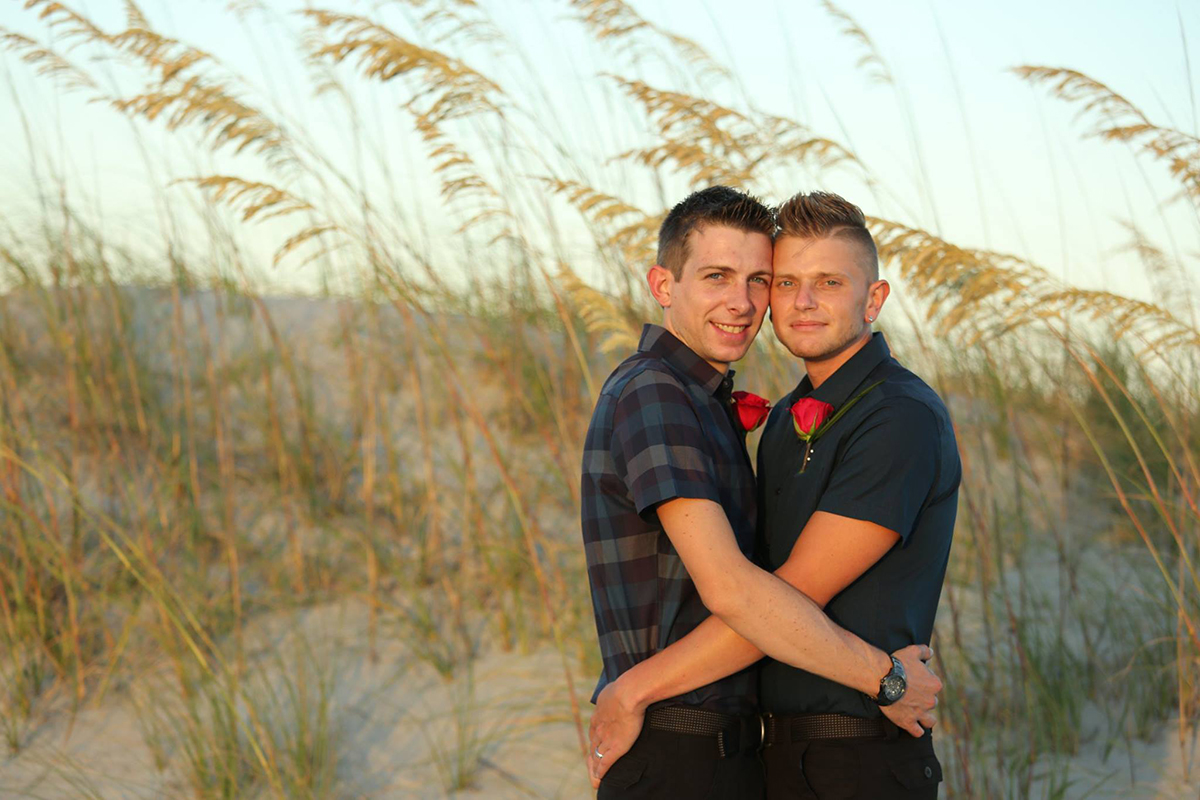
[[669, 525], [858, 516]]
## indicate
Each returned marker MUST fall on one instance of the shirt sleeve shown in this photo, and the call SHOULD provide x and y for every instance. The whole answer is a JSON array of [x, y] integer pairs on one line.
[[888, 468], [658, 444]]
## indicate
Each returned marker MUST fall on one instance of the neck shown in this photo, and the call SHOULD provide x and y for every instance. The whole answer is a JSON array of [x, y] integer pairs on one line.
[[820, 369]]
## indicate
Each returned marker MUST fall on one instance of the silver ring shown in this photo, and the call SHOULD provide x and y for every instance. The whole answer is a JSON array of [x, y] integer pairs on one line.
[[596, 750]]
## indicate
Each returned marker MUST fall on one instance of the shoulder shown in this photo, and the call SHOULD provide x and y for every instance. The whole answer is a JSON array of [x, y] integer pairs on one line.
[[645, 393], [904, 397], [638, 372], [903, 410]]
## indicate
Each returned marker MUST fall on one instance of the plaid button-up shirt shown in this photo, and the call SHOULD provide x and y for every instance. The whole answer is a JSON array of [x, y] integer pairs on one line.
[[662, 429]]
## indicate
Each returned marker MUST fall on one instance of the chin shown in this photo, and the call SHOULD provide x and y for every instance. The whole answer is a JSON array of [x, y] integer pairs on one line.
[[804, 349], [727, 356], [725, 352]]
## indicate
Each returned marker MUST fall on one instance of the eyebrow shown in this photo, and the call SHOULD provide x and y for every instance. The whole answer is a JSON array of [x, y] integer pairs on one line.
[[826, 274], [725, 268]]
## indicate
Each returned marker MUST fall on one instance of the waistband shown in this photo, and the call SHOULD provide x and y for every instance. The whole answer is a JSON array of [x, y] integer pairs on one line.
[[735, 733], [785, 728]]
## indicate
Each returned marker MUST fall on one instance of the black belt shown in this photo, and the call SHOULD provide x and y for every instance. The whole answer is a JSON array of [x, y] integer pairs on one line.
[[734, 733], [778, 728]]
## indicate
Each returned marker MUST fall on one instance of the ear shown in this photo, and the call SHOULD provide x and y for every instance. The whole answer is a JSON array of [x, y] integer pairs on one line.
[[877, 295], [661, 283]]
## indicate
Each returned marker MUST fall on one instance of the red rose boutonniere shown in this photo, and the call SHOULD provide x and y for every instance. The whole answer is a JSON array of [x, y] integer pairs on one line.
[[752, 410], [807, 415], [812, 417]]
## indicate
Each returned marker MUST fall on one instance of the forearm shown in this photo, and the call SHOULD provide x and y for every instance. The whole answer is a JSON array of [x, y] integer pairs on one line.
[[714, 650], [789, 627], [775, 617], [710, 652]]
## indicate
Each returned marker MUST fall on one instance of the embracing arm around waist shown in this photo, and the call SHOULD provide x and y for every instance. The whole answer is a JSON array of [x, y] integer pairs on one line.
[[829, 555], [779, 621], [763, 608]]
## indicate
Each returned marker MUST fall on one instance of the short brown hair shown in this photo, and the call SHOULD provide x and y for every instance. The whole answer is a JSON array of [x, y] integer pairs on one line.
[[824, 215], [716, 205]]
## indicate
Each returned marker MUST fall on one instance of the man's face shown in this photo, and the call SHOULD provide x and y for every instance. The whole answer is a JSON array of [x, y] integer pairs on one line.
[[821, 296], [717, 304]]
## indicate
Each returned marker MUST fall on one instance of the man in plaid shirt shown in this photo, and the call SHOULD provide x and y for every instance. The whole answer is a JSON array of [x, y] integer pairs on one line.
[[668, 517]]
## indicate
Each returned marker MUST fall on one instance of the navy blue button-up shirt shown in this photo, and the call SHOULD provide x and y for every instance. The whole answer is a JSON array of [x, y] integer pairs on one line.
[[892, 460]]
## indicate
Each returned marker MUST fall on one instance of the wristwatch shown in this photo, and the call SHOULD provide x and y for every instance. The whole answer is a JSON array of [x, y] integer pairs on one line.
[[892, 685]]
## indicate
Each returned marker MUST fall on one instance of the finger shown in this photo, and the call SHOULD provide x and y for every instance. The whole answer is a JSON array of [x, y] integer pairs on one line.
[[926, 653], [927, 720], [914, 729], [603, 767], [592, 776]]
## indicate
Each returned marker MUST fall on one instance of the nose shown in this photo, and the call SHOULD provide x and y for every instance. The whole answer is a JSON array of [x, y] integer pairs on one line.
[[805, 298], [740, 302]]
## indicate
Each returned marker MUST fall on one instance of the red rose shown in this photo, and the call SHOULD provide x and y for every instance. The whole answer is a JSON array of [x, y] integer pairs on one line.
[[752, 410], [808, 414]]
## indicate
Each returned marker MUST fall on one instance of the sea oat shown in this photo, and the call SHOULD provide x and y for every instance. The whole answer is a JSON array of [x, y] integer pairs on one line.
[[615, 21], [48, 62], [1115, 118], [456, 89], [254, 197]]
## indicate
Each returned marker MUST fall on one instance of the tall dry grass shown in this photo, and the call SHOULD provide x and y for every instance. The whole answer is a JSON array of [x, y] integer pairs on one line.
[[182, 453]]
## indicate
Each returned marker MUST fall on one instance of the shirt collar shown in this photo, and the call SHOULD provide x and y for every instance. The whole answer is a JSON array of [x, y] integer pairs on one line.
[[658, 341], [837, 388]]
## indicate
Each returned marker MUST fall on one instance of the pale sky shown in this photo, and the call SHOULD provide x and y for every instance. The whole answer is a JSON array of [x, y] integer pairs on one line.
[[965, 148]]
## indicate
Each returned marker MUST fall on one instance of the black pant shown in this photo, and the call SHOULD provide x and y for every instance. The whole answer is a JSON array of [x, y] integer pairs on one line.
[[662, 764], [899, 767]]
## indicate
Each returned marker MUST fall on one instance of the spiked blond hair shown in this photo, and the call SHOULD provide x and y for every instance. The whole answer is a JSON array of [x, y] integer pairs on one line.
[[824, 215]]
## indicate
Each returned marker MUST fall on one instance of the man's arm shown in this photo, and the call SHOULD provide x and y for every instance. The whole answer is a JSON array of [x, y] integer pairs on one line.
[[763, 608], [829, 555]]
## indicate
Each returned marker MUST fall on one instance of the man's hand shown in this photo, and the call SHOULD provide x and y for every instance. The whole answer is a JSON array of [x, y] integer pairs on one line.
[[914, 711], [615, 727]]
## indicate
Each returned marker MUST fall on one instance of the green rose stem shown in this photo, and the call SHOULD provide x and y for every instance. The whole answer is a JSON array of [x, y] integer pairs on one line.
[[807, 450]]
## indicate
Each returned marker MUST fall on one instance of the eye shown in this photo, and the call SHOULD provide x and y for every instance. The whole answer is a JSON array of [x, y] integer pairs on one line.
[[833, 282], [760, 279], [784, 283], [712, 275]]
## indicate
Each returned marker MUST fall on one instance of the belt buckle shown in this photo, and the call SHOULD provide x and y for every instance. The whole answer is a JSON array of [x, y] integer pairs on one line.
[[762, 730]]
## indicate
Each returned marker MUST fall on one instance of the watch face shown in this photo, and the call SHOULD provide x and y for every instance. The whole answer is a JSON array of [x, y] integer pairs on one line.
[[893, 687]]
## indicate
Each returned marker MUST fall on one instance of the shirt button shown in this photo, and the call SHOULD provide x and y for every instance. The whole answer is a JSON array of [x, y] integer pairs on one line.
[[929, 772], [778, 490]]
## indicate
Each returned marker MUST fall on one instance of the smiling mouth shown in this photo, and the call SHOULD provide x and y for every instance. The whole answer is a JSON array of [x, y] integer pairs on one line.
[[730, 328]]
